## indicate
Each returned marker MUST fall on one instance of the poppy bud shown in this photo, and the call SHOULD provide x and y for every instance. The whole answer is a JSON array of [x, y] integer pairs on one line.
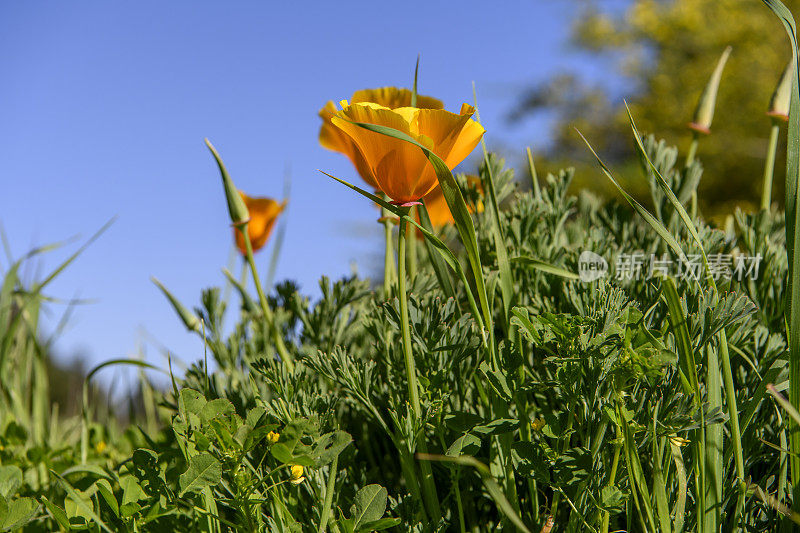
[[191, 322], [236, 206], [704, 113], [781, 98]]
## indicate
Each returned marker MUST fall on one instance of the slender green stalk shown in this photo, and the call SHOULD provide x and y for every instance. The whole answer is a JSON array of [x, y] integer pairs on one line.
[[713, 459], [285, 356], [689, 160], [459, 505], [733, 423], [428, 487], [612, 476], [769, 166], [388, 260], [692, 150], [412, 252], [326, 505], [537, 193]]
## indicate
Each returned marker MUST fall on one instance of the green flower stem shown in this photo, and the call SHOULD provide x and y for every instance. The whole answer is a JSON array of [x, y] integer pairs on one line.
[[769, 166], [412, 252], [733, 423], [388, 260], [284, 354], [692, 149], [689, 160], [326, 506], [612, 477], [428, 487], [460, 506]]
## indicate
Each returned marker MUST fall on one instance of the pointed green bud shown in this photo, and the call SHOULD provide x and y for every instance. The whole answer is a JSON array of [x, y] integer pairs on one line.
[[189, 319], [236, 207], [247, 302], [781, 98], [704, 113]]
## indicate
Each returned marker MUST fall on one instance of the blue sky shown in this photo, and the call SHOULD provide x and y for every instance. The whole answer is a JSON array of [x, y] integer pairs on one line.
[[104, 107]]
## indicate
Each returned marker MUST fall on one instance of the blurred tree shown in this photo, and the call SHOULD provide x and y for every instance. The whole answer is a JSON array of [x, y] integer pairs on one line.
[[668, 49]]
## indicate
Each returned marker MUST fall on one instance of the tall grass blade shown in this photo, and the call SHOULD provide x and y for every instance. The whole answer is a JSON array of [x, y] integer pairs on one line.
[[792, 304]]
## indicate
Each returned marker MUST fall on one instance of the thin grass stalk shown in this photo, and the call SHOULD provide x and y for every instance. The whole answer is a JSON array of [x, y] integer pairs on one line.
[[733, 422], [713, 458], [284, 354], [537, 192], [388, 258], [792, 304], [612, 476], [412, 252], [689, 160], [659, 480], [769, 165], [329, 488], [459, 505], [428, 487]]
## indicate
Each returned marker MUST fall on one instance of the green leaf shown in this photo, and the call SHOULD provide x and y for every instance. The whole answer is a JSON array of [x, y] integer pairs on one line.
[[79, 502], [10, 480], [20, 512], [131, 490], [497, 380], [105, 490], [466, 444], [369, 505], [547, 268], [93, 470], [204, 470], [58, 513], [191, 401], [215, 409], [329, 446], [379, 525], [497, 427], [531, 461]]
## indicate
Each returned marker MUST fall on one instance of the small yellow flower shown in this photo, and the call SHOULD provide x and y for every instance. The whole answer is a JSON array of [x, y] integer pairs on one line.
[[537, 424], [678, 441], [297, 475], [263, 214], [273, 437], [100, 447]]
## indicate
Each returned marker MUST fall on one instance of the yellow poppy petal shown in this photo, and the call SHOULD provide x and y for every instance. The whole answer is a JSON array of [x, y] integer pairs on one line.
[[396, 165], [454, 135], [438, 211], [335, 139], [394, 97]]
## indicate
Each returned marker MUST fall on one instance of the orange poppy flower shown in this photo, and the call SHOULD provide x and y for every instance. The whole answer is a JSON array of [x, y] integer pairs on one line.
[[263, 214], [437, 207], [400, 169], [335, 139]]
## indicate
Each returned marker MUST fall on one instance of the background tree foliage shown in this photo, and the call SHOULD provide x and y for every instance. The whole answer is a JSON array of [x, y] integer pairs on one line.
[[668, 49]]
